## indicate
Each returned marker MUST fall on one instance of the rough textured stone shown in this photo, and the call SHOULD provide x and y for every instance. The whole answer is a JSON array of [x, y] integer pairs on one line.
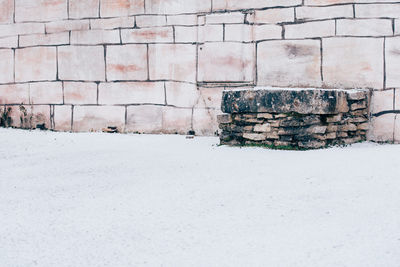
[[14, 94], [285, 63], [303, 101]]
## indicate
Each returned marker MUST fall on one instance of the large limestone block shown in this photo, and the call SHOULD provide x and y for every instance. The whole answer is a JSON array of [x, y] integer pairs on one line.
[[61, 38], [284, 100], [83, 9], [382, 128], [176, 120], [210, 97], [183, 95], [397, 129], [175, 62], [93, 37], [6, 11], [6, 66], [312, 29], [378, 11], [144, 119], [382, 101], [275, 15], [77, 93], [81, 63], [148, 35], [248, 4], [289, 63], [329, 12], [46, 93], [62, 118], [40, 10], [205, 121], [177, 6], [127, 62], [35, 64], [131, 93], [226, 62], [364, 27], [120, 8], [392, 56], [353, 62], [14, 93], [96, 118]]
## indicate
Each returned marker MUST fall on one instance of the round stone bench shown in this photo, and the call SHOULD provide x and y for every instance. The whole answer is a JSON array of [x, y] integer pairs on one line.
[[290, 118]]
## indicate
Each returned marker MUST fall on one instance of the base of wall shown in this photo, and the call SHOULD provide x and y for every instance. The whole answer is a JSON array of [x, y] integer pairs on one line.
[[296, 119]]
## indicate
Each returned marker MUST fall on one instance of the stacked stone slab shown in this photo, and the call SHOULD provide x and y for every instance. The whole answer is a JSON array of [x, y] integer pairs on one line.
[[160, 66], [294, 118]]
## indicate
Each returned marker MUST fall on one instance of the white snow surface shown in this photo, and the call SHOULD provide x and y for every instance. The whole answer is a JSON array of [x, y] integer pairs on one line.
[[92, 199]]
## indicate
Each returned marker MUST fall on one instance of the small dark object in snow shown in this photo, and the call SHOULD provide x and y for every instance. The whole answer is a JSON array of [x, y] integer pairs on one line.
[[110, 129]]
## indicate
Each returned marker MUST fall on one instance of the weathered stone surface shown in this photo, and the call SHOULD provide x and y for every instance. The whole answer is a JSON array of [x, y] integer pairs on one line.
[[96, 118], [329, 12], [61, 38], [144, 119], [353, 62], [382, 128], [392, 52], [205, 121], [9, 42], [115, 8], [184, 95], [364, 27], [397, 129], [78, 93], [40, 10], [6, 66], [148, 35], [303, 101], [35, 64], [285, 63], [93, 37], [46, 93], [240, 4], [14, 94], [131, 93], [83, 9], [382, 101], [274, 16], [177, 6], [112, 23], [67, 25], [176, 120], [210, 97], [81, 63], [224, 118], [6, 11], [63, 118], [127, 62], [175, 62], [255, 136], [224, 62]]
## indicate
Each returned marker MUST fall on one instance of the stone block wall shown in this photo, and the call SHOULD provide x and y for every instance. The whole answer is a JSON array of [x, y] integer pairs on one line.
[[160, 66], [294, 118]]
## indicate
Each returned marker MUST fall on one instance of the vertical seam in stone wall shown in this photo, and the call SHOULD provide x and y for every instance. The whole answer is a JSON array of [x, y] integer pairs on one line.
[[99, 13], [97, 92], [63, 92], [18, 40], [57, 78], [295, 14], [384, 62], [126, 118], [393, 26], [165, 94], [120, 36], [223, 32], [173, 34], [322, 60], [52, 123], [354, 11], [335, 27], [105, 61], [68, 9], [256, 64], [14, 65], [14, 13], [148, 62], [72, 118], [283, 32], [394, 127], [69, 38]]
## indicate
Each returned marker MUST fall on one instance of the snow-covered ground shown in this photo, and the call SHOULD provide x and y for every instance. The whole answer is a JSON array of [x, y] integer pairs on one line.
[[89, 200]]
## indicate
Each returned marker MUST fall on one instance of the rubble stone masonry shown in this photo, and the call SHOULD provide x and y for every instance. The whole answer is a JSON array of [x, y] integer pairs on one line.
[[160, 66]]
